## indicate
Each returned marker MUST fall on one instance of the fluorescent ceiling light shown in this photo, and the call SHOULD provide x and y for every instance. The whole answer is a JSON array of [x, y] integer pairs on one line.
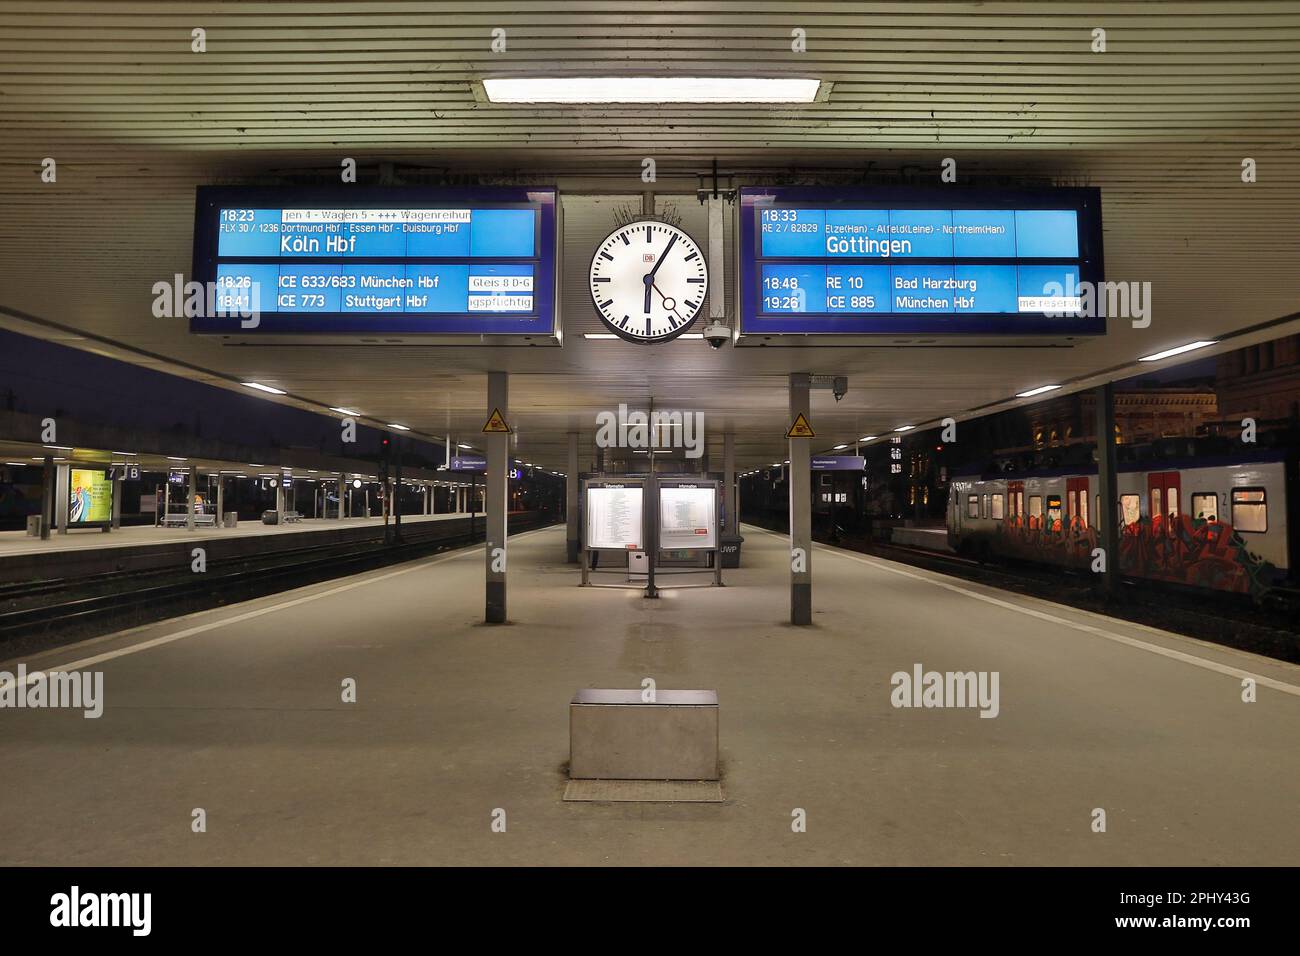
[[21, 464], [787, 461], [839, 447], [263, 388], [174, 458], [599, 335], [650, 89], [401, 428], [131, 453], [867, 438], [904, 428], [343, 411], [1178, 351], [1037, 391], [464, 446]]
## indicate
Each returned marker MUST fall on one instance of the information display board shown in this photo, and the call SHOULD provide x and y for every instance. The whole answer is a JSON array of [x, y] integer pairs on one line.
[[817, 260], [688, 517], [90, 497], [614, 518], [371, 260]]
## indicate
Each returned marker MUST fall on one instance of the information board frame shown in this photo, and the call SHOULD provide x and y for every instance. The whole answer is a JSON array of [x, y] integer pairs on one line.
[[585, 550], [711, 484], [539, 326], [836, 328]]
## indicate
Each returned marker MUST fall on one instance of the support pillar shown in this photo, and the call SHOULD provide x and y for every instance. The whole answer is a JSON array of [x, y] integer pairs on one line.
[[1108, 514], [116, 520], [800, 486], [342, 486], [571, 532], [732, 526], [47, 498], [496, 499], [221, 500], [192, 489]]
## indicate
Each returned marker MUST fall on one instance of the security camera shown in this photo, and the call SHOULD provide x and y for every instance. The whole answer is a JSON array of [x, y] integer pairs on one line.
[[840, 387], [717, 334]]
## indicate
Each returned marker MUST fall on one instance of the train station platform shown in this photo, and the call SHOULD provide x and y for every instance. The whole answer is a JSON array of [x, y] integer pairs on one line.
[[14, 543], [237, 711], [138, 547]]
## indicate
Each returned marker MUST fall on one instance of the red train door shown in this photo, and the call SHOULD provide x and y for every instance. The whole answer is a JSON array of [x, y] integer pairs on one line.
[[1164, 490], [1015, 511], [1076, 502]]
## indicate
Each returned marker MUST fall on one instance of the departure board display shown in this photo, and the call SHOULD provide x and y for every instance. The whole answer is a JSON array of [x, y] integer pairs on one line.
[[365, 260], [816, 260]]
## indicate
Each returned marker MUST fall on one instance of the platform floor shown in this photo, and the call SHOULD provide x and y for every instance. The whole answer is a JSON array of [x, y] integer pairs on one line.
[[238, 711], [20, 543]]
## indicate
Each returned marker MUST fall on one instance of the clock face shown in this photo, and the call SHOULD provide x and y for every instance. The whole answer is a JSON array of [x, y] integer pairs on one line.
[[648, 281]]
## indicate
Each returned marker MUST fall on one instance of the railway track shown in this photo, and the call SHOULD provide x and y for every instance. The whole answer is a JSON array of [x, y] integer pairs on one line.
[[1270, 627]]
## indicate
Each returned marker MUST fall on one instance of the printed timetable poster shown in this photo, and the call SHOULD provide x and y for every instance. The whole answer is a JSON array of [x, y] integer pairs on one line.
[[90, 497], [372, 260], [817, 260]]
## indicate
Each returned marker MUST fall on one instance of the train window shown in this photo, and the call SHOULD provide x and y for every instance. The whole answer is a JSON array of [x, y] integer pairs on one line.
[[1249, 509], [999, 509], [984, 507], [972, 506], [1083, 508], [1157, 507], [1053, 513], [1130, 508], [1035, 506], [1205, 506]]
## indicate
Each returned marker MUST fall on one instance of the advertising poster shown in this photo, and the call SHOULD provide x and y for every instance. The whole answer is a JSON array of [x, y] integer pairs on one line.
[[90, 497]]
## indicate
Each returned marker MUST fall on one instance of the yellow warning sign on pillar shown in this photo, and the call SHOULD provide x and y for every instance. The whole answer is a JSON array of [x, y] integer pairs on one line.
[[496, 423], [800, 428]]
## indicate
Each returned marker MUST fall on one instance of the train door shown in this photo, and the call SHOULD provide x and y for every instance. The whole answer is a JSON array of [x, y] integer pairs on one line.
[[1163, 494], [1076, 503], [1015, 511]]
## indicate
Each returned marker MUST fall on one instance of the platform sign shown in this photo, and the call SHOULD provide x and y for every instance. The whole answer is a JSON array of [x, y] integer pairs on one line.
[[909, 261], [469, 463], [838, 463], [377, 261]]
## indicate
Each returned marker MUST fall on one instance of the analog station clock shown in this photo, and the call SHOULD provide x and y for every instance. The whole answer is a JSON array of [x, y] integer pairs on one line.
[[648, 281]]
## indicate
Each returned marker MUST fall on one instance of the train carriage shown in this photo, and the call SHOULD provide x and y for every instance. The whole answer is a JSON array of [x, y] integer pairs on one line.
[[1226, 523]]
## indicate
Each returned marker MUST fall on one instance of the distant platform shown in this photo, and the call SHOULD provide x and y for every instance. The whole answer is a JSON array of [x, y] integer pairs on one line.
[[91, 551], [19, 542]]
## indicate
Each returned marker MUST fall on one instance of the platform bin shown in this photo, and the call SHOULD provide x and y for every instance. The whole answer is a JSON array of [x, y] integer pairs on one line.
[[729, 548], [33, 526], [270, 517], [230, 519]]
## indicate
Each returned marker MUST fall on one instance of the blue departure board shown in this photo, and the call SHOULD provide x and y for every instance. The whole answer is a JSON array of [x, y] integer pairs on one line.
[[817, 260], [365, 260]]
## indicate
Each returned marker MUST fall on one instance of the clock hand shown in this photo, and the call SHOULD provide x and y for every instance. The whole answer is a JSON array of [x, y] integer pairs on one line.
[[673, 310], [649, 277]]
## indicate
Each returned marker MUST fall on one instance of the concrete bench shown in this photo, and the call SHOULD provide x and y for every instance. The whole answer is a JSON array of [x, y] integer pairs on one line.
[[615, 735], [289, 516]]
